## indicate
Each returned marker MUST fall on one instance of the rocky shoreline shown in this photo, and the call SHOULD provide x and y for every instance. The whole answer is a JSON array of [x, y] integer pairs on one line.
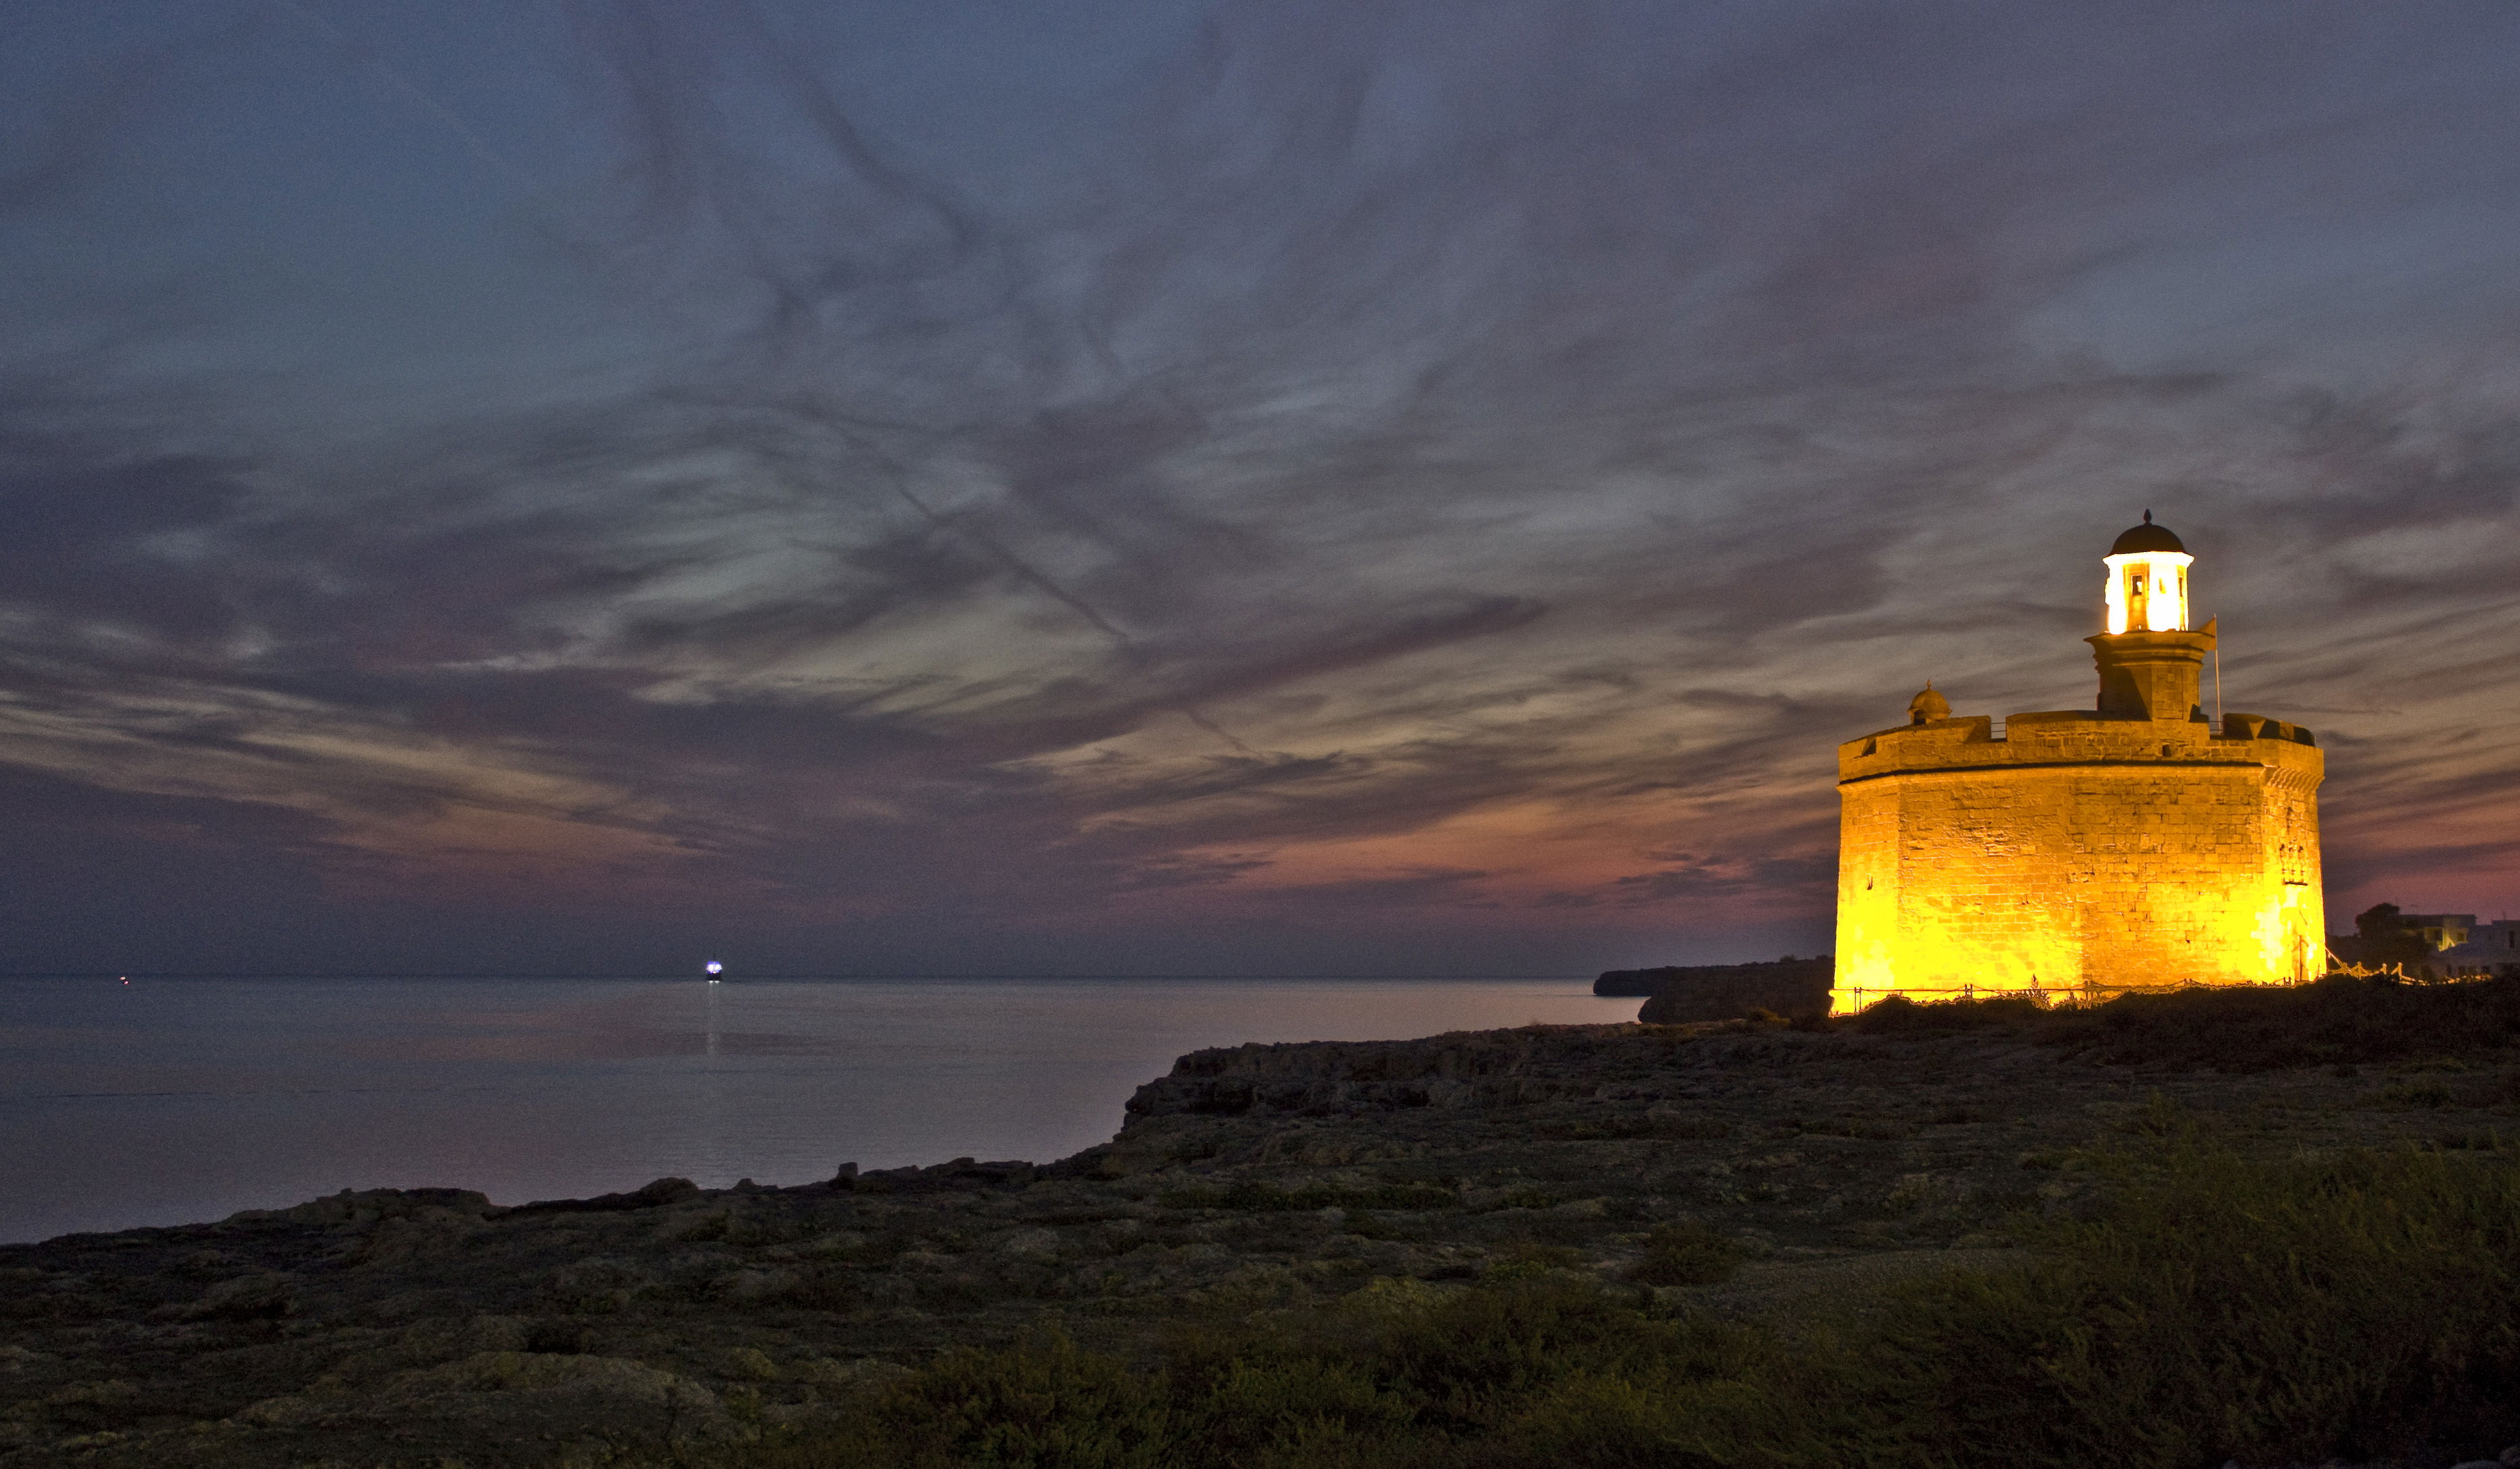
[[428, 1326]]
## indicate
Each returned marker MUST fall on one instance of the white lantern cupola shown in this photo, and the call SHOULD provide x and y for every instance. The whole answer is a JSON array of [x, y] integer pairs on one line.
[[2147, 589]]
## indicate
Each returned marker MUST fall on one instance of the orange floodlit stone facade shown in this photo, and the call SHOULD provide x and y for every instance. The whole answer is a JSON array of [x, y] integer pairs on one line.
[[2133, 845]]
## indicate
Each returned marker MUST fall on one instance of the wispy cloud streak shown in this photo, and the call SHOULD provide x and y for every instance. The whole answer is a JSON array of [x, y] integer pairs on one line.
[[1370, 485]]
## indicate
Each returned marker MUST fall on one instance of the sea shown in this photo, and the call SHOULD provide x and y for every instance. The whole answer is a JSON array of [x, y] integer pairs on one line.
[[178, 1100]]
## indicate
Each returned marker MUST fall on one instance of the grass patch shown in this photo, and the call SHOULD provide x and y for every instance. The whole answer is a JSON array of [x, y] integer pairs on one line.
[[1858, 1127], [1245, 1198], [2362, 1306], [1622, 1129], [1688, 1253], [1530, 1260], [2417, 1095], [2160, 1117], [1539, 1196], [2339, 1021], [1898, 1016]]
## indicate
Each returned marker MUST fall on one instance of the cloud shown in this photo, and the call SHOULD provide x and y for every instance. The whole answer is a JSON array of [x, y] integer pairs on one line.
[[1402, 459], [1692, 877]]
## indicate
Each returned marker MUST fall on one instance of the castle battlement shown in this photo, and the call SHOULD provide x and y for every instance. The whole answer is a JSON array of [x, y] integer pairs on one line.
[[2132, 845], [2078, 736]]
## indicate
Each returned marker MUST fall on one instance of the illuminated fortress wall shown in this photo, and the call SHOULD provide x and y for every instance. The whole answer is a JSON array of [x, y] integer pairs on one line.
[[2132, 845]]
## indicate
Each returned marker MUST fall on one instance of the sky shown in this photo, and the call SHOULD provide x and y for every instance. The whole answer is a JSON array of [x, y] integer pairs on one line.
[[1198, 486]]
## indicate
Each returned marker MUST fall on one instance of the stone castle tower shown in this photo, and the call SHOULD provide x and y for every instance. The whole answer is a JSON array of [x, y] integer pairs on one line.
[[2128, 846]]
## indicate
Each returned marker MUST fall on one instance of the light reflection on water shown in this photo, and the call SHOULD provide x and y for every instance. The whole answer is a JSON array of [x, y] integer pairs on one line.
[[170, 1101]]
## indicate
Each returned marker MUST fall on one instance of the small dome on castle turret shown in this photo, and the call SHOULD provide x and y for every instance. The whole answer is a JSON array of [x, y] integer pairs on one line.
[[2148, 586], [1928, 705], [2146, 537]]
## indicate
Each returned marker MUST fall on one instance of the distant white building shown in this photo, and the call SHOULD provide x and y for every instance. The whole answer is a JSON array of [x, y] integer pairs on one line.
[[2438, 930], [2484, 949]]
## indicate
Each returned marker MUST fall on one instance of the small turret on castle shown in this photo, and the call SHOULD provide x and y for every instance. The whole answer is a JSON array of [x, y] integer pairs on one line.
[[2128, 846]]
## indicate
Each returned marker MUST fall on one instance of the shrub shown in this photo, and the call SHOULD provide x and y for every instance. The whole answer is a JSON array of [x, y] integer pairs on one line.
[[2362, 1305], [1045, 1403], [2268, 1313], [1688, 1253]]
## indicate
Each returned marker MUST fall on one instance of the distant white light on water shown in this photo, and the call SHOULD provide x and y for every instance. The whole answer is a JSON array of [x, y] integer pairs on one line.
[[715, 968]]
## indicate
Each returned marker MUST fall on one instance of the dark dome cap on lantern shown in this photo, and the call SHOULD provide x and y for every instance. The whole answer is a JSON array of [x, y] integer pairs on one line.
[[2146, 537]]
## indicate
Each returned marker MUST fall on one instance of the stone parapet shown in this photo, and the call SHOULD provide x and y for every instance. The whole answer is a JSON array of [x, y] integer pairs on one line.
[[2079, 737]]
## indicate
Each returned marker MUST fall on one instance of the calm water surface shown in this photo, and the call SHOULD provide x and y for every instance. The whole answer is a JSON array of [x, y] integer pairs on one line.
[[170, 1101]]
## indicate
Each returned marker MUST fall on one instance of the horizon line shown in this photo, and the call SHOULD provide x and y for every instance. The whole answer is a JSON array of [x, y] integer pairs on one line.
[[687, 975]]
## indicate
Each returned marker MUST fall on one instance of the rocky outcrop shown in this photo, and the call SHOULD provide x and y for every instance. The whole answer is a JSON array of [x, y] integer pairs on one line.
[[1334, 1078], [1684, 993], [423, 1326]]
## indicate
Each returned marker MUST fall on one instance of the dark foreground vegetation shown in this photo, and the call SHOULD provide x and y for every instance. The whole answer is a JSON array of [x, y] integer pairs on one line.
[[2339, 1020], [2177, 1229], [2366, 1304]]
